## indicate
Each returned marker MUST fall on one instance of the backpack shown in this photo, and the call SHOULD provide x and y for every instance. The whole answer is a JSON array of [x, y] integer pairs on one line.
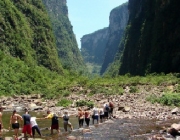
[[107, 108], [111, 105], [66, 118], [55, 119]]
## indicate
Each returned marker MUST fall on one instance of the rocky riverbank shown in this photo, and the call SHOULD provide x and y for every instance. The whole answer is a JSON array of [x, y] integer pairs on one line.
[[129, 105]]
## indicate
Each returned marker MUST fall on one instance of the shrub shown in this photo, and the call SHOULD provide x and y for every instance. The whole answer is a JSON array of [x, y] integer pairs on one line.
[[133, 89], [64, 102], [169, 99], [85, 103]]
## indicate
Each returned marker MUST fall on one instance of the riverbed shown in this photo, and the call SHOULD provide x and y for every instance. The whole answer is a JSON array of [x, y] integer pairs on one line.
[[112, 129], [44, 125]]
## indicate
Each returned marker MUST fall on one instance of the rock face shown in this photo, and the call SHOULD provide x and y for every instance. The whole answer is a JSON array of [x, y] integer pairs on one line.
[[101, 46], [118, 21], [152, 39], [93, 46]]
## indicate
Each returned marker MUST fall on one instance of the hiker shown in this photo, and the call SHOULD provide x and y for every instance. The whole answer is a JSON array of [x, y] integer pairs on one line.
[[1, 123], [27, 124], [66, 121], [87, 116], [15, 120], [54, 121], [80, 117], [101, 114], [106, 111], [95, 115], [111, 107], [34, 126]]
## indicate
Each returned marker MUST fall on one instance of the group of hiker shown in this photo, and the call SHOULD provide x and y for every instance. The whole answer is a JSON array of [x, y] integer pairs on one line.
[[98, 114], [29, 124]]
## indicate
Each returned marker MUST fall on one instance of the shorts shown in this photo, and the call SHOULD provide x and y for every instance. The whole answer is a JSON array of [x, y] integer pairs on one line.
[[15, 125], [96, 117], [101, 116], [27, 128], [111, 110], [66, 124], [55, 126], [106, 114]]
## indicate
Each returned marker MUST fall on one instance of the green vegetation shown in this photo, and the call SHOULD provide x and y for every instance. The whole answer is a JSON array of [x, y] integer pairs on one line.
[[169, 99], [30, 63], [67, 47], [151, 43], [64, 102], [85, 103], [26, 33], [133, 89], [93, 69]]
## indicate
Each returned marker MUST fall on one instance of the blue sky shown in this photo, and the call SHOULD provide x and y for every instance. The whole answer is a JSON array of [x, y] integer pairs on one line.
[[88, 16]]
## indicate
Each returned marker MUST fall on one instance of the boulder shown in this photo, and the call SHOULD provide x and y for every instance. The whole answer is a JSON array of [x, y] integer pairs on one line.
[[71, 138], [175, 110], [126, 109], [31, 106], [174, 130]]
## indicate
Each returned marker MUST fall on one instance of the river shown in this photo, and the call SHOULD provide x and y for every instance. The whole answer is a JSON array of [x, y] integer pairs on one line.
[[116, 129]]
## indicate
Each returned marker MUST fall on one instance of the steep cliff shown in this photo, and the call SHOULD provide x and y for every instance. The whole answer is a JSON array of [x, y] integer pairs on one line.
[[67, 47], [101, 46], [118, 21], [92, 48], [152, 38], [93, 45]]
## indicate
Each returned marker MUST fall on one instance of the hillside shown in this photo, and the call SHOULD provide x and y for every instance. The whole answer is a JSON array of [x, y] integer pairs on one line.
[[26, 33], [66, 43], [28, 53]]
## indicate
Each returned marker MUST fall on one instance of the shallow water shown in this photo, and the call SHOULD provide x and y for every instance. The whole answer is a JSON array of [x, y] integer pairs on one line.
[[43, 125], [116, 129]]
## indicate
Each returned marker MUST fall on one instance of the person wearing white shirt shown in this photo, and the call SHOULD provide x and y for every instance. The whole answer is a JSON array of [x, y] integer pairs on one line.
[[34, 126], [95, 115]]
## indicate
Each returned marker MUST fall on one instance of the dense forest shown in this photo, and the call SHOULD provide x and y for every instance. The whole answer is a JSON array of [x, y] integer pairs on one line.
[[151, 42], [29, 57], [66, 43], [26, 33]]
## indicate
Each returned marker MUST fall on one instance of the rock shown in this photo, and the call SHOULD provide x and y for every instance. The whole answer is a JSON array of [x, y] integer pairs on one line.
[[71, 138], [174, 130], [158, 137], [31, 106], [175, 126], [175, 110], [126, 109], [19, 108], [120, 108], [38, 101], [86, 130]]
